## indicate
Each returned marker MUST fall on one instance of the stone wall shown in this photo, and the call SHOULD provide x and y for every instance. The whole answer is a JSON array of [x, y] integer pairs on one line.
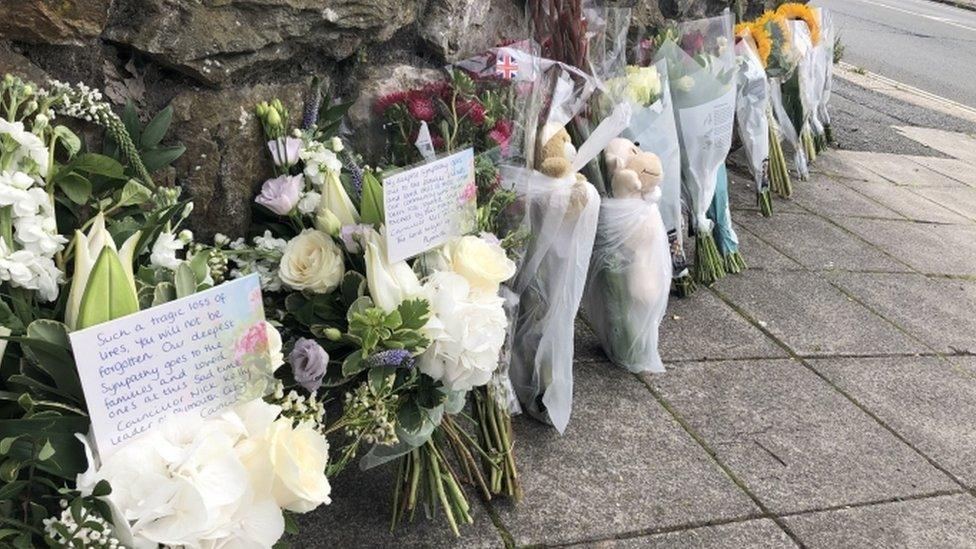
[[214, 59]]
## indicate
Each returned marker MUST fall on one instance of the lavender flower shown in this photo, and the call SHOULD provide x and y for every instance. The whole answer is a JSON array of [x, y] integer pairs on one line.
[[394, 357], [284, 151], [356, 174], [280, 194], [309, 362], [310, 114]]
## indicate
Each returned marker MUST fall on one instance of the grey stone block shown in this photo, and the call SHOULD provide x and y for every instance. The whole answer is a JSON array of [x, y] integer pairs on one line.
[[819, 245], [937, 310], [701, 327], [844, 165], [623, 465], [951, 167], [812, 317], [754, 534], [932, 523], [940, 249], [908, 201], [921, 398], [829, 197], [760, 255], [795, 442], [961, 200], [903, 170]]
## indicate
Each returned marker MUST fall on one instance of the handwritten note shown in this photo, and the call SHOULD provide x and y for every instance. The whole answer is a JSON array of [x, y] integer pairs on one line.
[[428, 205], [198, 355]]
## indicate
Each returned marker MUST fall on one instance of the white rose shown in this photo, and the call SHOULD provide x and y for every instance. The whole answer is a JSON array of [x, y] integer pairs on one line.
[[467, 331], [289, 462], [481, 261], [313, 262]]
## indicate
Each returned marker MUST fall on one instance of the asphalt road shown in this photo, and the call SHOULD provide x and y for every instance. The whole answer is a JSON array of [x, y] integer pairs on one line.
[[926, 44]]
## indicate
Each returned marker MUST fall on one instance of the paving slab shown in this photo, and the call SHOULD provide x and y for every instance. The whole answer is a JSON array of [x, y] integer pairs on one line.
[[952, 167], [926, 247], [812, 317], [795, 442], [960, 200], [359, 516], [945, 522], [742, 197], [903, 170], [927, 400], [955, 144], [818, 244], [908, 202], [702, 327], [760, 255], [844, 165], [754, 534], [623, 465], [826, 196], [937, 310]]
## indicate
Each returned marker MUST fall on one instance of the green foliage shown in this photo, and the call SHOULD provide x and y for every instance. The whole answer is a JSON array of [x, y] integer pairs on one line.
[[371, 205], [148, 139]]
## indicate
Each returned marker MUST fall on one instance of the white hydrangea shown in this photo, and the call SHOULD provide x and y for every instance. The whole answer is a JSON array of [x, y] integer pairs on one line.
[[466, 329]]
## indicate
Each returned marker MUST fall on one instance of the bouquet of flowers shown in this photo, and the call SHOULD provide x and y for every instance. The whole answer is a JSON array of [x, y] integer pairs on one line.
[[122, 256], [752, 106], [774, 43], [701, 67], [825, 67], [800, 88], [399, 345], [653, 129]]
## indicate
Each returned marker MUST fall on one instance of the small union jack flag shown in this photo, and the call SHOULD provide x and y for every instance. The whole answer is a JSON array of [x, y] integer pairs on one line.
[[506, 66]]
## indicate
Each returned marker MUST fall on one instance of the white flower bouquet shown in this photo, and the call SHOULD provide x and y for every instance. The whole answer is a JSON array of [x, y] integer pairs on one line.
[[752, 106], [701, 66]]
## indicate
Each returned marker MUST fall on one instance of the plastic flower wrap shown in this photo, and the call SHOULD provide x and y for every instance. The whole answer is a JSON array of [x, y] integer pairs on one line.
[[701, 66], [752, 110]]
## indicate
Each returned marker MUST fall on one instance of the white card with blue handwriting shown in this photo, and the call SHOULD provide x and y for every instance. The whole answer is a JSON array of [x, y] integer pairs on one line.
[[199, 354], [429, 204]]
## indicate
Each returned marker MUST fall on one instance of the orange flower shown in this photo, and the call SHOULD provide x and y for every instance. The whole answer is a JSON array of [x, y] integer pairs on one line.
[[795, 11]]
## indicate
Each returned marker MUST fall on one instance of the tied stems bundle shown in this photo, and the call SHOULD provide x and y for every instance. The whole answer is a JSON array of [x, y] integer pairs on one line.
[[496, 438], [709, 265], [809, 143], [779, 173], [764, 200]]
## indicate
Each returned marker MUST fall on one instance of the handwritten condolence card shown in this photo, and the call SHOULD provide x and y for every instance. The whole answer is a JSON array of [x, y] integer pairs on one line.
[[428, 205], [198, 355]]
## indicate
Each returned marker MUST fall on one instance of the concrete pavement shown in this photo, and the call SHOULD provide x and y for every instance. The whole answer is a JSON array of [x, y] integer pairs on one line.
[[822, 399]]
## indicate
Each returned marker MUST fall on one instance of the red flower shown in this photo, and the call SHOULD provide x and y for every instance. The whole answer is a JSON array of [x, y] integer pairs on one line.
[[474, 110], [501, 132], [693, 42], [388, 100], [440, 88], [421, 108]]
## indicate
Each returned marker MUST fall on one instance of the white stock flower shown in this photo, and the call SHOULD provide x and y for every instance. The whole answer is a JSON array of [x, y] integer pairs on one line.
[[312, 261], [467, 331], [29, 147], [309, 202], [318, 160], [164, 251], [26, 269]]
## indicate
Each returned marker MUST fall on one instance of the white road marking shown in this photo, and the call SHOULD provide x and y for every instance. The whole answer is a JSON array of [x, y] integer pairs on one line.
[[919, 14], [904, 92]]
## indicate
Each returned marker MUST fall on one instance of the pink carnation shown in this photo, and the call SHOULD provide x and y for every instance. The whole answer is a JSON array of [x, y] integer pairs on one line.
[[254, 341]]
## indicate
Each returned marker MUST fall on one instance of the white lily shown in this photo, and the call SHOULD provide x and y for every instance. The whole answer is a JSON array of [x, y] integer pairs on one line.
[[336, 200], [119, 280], [388, 284]]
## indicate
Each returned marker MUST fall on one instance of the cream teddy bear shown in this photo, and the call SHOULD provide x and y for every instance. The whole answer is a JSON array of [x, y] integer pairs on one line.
[[555, 159]]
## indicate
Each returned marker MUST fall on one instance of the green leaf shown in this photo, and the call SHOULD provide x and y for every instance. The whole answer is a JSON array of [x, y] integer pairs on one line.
[[186, 282], [46, 451], [6, 444], [68, 139], [352, 287], [200, 265], [76, 187], [353, 364], [46, 344], [156, 129], [102, 489], [11, 489], [161, 157], [9, 319], [109, 294], [371, 204], [380, 378], [98, 164], [9, 469], [70, 457], [414, 313], [410, 416], [130, 118], [133, 193], [291, 526], [392, 320]]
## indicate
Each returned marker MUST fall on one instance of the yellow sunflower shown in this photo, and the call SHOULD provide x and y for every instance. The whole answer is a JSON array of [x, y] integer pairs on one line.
[[764, 43], [782, 38], [796, 11]]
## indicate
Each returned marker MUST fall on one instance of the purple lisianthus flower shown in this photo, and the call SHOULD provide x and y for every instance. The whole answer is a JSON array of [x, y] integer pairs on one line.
[[308, 363], [284, 151], [281, 194], [350, 236]]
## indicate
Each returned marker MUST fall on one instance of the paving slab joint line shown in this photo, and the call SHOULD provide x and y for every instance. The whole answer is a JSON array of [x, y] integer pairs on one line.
[[766, 513], [912, 189], [789, 350], [688, 526], [872, 503]]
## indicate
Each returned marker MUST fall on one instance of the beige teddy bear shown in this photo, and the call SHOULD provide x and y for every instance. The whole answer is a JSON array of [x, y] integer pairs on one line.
[[555, 159], [635, 173]]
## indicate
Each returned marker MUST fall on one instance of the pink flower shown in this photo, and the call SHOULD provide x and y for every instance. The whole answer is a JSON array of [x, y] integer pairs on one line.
[[474, 110], [388, 100], [693, 42], [284, 151], [469, 193], [501, 132], [421, 108], [281, 194], [440, 88], [254, 341]]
